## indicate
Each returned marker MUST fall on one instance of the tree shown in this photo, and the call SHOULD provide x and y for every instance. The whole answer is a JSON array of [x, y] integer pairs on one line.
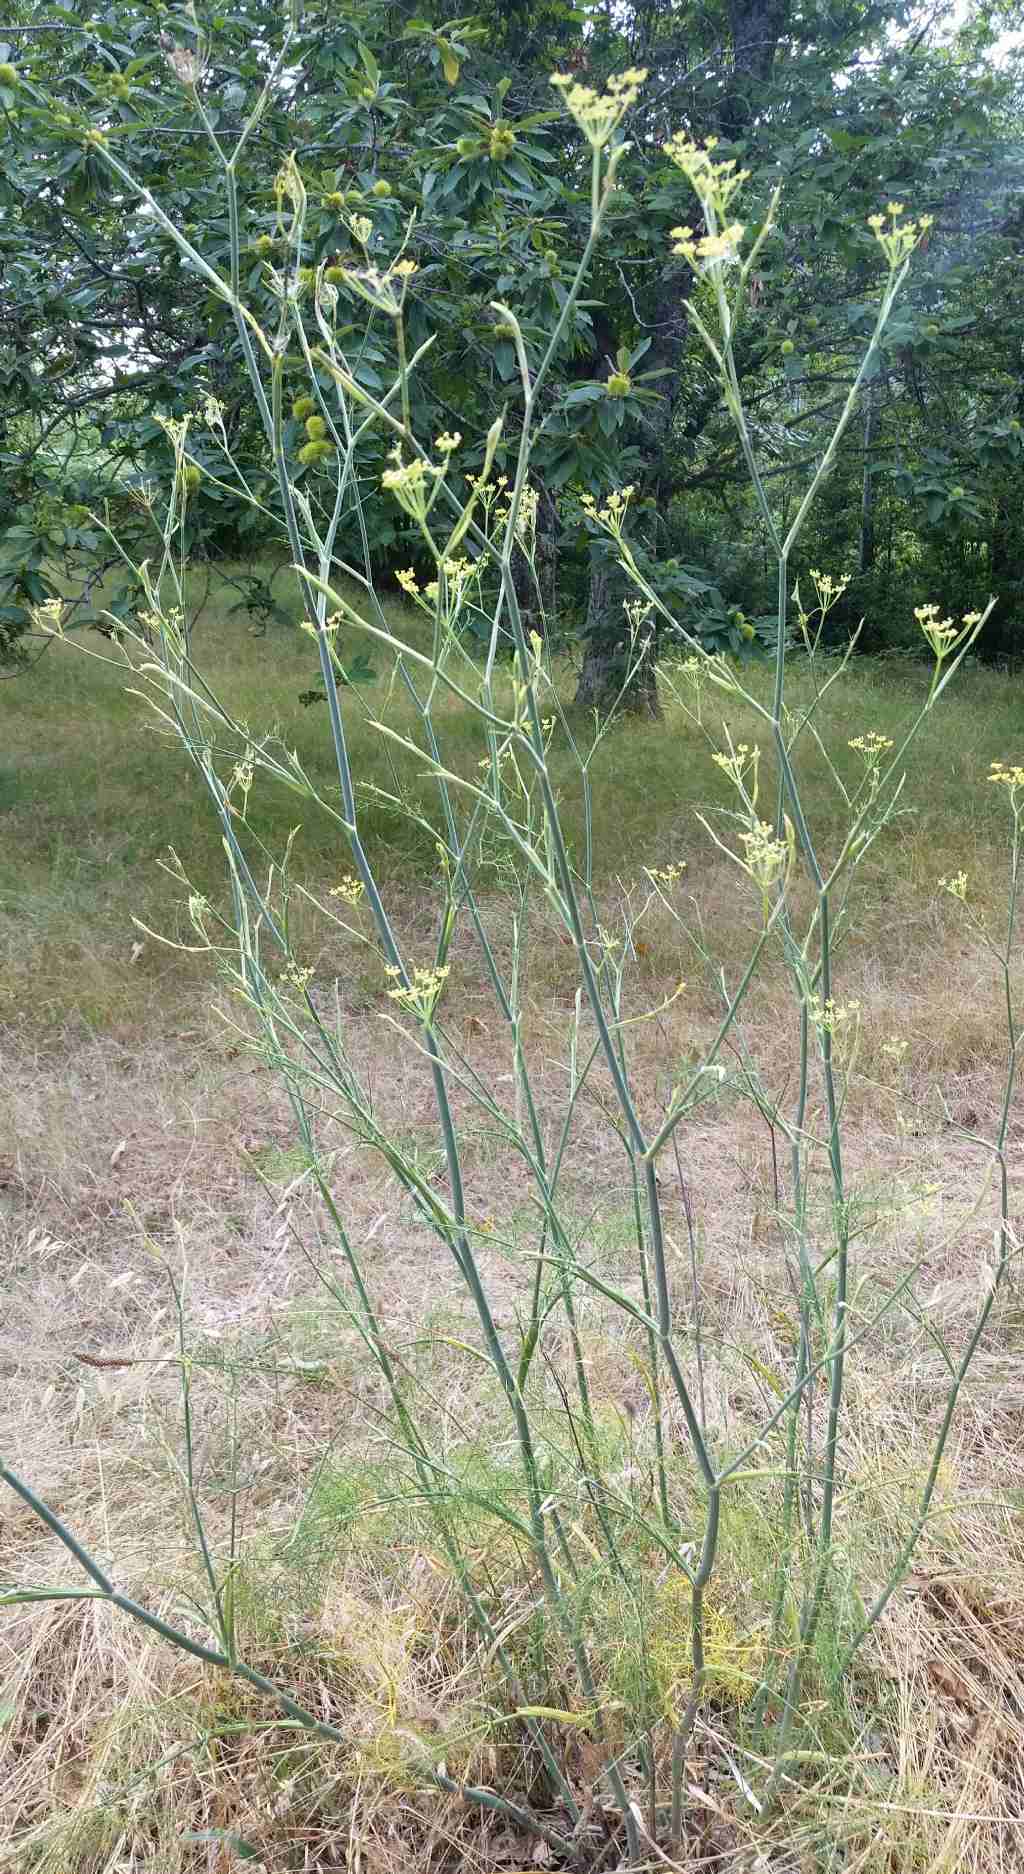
[[443, 133]]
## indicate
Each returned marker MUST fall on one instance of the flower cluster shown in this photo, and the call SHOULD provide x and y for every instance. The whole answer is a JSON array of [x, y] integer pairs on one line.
[[701, 250], [488, 491], [829, 1015], [174, 428], [296, 977], [457, 574], [1011, 777], [350, 889], [526, 516], [956, 886], [241, 778], [599, 114], [289, 187], [897, 239], [328, 628], [384, 291], [143, 497], [740, 761], [413, 484], [638, 612], [168, 626], [187, 66], [828, 591], [715, 183], [766, 856], [941, 633], [498, 760], [612, 515], [872, 746], [48, 617], [421, 992], [213, 413], [666, 874]]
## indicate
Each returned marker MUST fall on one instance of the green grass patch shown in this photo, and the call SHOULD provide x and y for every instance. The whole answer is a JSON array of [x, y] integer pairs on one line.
[[95, 795]]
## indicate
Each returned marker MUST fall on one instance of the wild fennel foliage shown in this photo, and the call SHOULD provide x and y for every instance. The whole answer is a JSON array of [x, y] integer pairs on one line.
[[630, 1630]]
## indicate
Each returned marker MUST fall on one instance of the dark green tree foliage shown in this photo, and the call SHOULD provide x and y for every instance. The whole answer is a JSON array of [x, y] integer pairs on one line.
[[443, 132]]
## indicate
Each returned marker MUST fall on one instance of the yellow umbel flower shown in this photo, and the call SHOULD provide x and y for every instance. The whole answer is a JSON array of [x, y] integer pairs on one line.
[[766, 857], [421, 992], [612, 515], [701, 251], [350, 889], [598, 113], [48, 617], [715, 183], [413, 484], [828, 590], [872, 746], [1011, 777], [898, 239], [941, 633], [740, 761], [829, 1015]]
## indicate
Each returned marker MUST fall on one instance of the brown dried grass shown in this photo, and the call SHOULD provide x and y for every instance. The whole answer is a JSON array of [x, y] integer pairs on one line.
[[114, 1159]]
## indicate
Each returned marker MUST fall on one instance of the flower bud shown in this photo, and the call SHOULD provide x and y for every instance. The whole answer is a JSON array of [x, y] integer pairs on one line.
[[381, 187], [502, 142], [618, 385]]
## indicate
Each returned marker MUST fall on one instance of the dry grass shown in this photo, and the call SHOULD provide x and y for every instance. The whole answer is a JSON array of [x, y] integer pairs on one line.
[[136, 1137]]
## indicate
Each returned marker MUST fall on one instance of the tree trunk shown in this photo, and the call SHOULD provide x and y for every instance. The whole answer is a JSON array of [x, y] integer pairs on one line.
[[618, 669]]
